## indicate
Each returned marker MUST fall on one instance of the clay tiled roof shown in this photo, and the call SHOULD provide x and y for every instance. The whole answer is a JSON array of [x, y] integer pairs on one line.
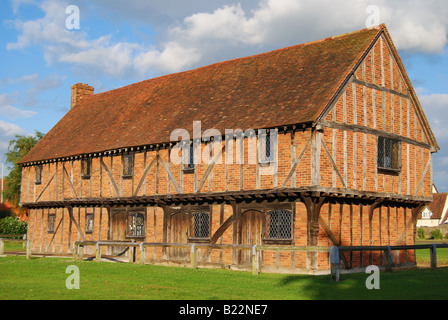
[[283, 87], [437, 205]]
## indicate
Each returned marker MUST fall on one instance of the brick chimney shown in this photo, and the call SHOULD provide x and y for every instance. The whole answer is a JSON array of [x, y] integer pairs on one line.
[[78, 91]]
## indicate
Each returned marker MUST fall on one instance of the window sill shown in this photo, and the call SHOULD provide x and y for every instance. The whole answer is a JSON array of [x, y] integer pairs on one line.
[[198, 240], [135, 237], [389, 171], [266, 164], [188, 170], [127, 176], [280, 242]]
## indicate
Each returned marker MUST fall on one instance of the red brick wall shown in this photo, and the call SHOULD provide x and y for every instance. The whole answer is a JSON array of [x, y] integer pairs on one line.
[[385, 111]]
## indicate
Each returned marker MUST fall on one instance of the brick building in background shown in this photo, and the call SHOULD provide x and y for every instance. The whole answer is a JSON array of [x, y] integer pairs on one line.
[[336, 150]]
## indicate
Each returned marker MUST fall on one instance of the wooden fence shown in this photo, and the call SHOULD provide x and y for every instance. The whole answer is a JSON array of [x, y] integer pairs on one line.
[[78, 250], [335, 252], [12, 238]]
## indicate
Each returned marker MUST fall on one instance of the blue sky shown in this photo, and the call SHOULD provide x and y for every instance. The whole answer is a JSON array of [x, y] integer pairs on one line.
[[122, 42]]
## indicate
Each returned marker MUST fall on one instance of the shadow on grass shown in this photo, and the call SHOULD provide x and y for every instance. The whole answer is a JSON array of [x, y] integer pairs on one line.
[[412, 284]]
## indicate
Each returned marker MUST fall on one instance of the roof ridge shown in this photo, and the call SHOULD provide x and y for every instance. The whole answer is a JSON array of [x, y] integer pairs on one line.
[[214, 64]]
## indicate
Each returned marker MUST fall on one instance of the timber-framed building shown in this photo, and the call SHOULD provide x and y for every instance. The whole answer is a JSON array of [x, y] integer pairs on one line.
[[333, 149]]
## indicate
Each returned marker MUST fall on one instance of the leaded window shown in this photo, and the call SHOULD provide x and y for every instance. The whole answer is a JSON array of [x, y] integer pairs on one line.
[[388, 154], [136, 222], [128, 165], [51, 223], [189, 157], [279, 225], [267, 145], [38, 174], [201, 225], [89, 223], [86, 165]]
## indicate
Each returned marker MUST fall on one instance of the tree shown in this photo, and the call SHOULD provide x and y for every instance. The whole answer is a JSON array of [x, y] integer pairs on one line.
[[17, 149]]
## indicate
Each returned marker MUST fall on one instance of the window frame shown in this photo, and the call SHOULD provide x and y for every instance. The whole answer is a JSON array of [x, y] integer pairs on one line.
[[265, 209], [188, 158], [86, 164], [87, 219], [129, 173], [38, 174], [130, 232], [51, 226], [194, 237], [267, 141], [394, 156], [268, 222]]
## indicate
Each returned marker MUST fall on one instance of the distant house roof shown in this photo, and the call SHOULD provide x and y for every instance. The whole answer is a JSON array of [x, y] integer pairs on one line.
[[289, 86], [438, 206]]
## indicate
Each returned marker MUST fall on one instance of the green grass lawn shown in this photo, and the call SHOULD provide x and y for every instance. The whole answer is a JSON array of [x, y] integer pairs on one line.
[[423, 257], [45, 279]]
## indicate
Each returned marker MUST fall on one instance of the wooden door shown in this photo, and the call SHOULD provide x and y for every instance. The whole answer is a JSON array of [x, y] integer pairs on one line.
[[118, 231], [179, 223], [251, 233]]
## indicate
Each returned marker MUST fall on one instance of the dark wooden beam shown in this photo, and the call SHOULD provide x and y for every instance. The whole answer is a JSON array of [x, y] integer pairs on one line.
[[376, 132]]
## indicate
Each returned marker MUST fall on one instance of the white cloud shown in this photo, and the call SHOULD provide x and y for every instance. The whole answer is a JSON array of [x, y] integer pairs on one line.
[[8, 111], [113, 59], [436, 110], [9, 130], [173, 57], [116, 59], [38, 83], [31, 87], [420, 26], [217, 30], [14, 113]]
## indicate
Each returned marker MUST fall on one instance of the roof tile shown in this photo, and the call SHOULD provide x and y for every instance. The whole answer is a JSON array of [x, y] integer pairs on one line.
[[283, 87]]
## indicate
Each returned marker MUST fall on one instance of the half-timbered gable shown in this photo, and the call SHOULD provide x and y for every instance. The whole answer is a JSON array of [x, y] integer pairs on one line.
[[319, 144]]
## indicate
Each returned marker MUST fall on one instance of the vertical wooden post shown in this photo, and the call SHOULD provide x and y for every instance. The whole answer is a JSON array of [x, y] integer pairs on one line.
[[2, 247], [372, 209], [255, 261], [75, 251], [313, 205], [131, 253], [316, 144], [193, 258], [81, 253], [98, 252], [335, 263], [28, 250], [388, 259], [433, 252], [142, 254]]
